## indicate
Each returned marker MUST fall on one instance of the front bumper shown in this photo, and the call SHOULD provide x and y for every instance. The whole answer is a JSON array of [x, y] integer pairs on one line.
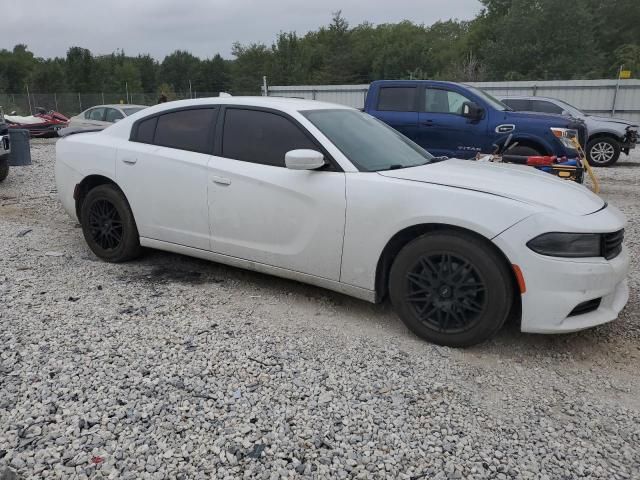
[[556, 286]]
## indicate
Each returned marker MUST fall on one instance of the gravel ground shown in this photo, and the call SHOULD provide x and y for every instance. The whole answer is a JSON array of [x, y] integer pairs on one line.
[[172, 367]]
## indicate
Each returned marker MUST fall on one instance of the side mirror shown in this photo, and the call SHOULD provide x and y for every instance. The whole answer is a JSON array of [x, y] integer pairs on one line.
[[565, 113], [304, 159], [472, 110]]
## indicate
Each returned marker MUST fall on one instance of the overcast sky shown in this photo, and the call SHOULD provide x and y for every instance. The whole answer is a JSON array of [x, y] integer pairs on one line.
[[203, 27]]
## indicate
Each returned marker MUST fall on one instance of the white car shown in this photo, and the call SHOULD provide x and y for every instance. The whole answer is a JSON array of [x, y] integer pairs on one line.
[[103, 116], [329, 196]]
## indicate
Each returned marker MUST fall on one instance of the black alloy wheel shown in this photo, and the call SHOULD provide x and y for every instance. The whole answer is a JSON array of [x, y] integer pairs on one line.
[[446, 292], [105, 225], [451, 287]]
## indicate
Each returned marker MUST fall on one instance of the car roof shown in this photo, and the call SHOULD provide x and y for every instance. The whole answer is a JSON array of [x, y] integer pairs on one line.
[[118, 105], [285, 104], [525, 97]]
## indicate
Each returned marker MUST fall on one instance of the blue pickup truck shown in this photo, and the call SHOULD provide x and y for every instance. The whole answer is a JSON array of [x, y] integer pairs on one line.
[[457, 120]]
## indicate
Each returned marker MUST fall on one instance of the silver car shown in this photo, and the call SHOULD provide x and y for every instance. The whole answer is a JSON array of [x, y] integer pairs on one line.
[[607, 136], [101, 116]]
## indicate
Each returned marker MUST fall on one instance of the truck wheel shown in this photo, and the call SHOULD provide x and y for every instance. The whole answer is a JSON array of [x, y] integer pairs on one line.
[[451, 288], [4, 167], [603, 151], [524, 151]]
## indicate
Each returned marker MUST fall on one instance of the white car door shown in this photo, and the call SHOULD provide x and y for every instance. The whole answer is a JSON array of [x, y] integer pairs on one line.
[[264, 212], [95, 117], [163, 173]]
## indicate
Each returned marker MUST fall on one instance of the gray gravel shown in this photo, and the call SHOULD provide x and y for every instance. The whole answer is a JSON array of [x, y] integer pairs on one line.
[[171, 367]]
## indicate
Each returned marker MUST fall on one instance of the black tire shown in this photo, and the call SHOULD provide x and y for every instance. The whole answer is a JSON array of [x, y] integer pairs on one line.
[[108, 225], [446, 277], [524, 151], [603, 151], [4, 167]]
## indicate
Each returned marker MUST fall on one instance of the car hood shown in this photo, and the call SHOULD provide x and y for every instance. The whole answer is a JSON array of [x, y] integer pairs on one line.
[[615, 121], [517, 182]]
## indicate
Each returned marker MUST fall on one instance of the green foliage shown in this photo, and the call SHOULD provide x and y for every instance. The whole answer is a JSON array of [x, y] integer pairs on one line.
[[508, 40]]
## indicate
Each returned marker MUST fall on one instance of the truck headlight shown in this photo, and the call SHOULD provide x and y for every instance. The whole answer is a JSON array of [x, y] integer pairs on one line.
[[565, 135], [572, 245]]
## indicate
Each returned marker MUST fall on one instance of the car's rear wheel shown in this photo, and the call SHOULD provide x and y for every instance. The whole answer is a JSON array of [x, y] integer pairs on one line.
[[451, 288], [4, 167], [108, 225], [603, 151]]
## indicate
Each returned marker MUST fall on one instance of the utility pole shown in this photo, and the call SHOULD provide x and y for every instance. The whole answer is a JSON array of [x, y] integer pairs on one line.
[[126, 87], [29, 99], [615, 94], [265, 87]]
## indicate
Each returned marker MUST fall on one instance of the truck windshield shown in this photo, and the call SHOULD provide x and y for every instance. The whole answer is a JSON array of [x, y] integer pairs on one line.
[[491, 100], [367, 142]]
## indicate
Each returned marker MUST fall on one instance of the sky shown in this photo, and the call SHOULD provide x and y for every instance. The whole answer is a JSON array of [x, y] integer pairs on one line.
[[202, 27]]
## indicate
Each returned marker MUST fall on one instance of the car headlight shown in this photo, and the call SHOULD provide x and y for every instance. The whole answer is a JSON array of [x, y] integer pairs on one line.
[[565, 135], [573, 245]]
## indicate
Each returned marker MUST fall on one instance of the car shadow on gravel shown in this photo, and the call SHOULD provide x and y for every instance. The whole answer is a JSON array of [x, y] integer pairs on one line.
[[360, 317]]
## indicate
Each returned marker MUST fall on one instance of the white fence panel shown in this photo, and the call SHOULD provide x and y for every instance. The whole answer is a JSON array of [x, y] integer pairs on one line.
[[593, 96]]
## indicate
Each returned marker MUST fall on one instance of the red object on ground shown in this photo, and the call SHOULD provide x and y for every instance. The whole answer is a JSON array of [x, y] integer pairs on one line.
[[52, 122], [97, 459], [541, 161]]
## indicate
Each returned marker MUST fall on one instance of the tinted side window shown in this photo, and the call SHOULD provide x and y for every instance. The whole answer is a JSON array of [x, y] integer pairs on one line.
[[146, 130], [397, 99], [518, 105], [95, 114], [545, 107], [443, 101], [113, 115], [190, 130], [261, 137]]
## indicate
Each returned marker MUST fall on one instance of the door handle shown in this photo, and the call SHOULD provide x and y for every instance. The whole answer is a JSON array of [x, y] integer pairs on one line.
[[220, 180], [427, 123], [129, 161]]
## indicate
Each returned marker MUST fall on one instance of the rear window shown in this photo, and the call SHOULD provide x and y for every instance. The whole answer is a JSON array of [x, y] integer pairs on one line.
[[146, 130], [190, 130], [517, 104], [397, 99]]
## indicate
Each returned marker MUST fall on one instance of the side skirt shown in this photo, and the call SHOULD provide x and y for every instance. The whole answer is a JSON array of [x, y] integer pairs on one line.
[[357, 292]]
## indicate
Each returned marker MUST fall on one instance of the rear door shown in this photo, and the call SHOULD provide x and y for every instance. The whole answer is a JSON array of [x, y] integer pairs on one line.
[[95, 117], [443, 130], [397, 106], [163, 173], [264, 212]]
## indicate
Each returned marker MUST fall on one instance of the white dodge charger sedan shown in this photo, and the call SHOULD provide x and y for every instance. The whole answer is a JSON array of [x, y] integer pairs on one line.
[[327, 195]]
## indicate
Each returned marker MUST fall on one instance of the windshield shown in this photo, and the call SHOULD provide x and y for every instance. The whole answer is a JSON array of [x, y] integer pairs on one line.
[[131, 110], [367, 142], [494, 102]]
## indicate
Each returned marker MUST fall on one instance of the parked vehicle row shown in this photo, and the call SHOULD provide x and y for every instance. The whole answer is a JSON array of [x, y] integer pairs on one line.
[[330, 196], [607, 137], [458, 120]]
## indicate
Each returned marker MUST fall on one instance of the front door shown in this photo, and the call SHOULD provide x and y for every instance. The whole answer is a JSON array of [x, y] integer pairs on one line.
[[443, 130], [264, 212]]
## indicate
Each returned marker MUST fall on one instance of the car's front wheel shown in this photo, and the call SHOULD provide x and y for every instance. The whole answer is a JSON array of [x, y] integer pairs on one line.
[[108, 224], [451, 288], [603, 151]]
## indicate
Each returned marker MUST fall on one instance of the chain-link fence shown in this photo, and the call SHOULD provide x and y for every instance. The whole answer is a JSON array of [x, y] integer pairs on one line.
[[71, 104]]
